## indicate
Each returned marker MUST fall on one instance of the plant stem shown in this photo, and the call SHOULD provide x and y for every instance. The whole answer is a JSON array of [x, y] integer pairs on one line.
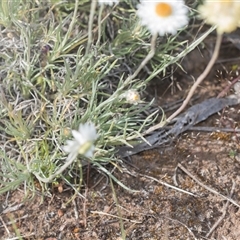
[[145, 60], [74, 18], [99, 25], [90, 24], [68, 162], [193, 88], [200, 78]]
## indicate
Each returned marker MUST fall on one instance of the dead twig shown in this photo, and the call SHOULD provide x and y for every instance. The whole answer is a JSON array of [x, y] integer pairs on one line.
[[12, 208], [189, 230], [14, 221], [114, 216], [200, 78], [84, 209], [75, 209], [168, 185], [206, 187], [224, 210], [5, 226], [227, 88]]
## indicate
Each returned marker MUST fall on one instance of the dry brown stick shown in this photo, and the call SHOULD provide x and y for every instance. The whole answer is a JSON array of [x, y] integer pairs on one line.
[[14, 220], [226, 89], [223, 214], [75, 209], [200, 78], [115, 216], [189, 230], [169, 185], [206, 187], [84, 211], [12, 208], [4, 225]]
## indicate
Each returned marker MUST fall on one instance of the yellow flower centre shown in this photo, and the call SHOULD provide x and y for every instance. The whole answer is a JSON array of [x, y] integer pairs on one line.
[[136, 97], [84, 148], [163, 9]]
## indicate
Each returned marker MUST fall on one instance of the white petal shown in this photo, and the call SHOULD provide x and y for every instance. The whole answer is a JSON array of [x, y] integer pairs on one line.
[[78, 137], [83, 141], [69, 146], [162, 25], [89, 153], [88, 132]]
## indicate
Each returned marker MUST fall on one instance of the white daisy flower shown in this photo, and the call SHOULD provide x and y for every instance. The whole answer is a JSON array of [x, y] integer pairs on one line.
[[108, 2], [83, 141], [163, 16], [224, 14]]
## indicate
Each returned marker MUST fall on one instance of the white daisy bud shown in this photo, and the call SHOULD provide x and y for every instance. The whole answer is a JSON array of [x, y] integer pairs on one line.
[[132, 96], [108, 2]]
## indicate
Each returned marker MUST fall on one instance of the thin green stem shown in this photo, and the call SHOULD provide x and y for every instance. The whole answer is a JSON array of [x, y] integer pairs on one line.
[[145, 60], [68, 162], [90, 25], [131, 77], [71, 25], [99, 24]]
